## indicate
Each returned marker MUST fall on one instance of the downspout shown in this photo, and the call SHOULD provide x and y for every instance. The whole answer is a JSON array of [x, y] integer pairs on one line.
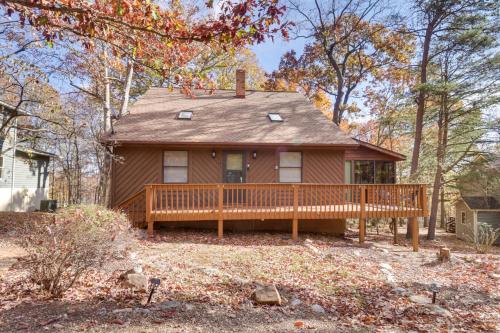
[[12, 167]]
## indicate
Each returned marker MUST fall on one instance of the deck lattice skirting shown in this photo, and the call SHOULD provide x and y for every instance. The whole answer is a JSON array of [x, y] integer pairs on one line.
[[219, 202]]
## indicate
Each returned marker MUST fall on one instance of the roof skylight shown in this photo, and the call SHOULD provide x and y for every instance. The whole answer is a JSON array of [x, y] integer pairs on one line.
[[185, 115], [275, 117]]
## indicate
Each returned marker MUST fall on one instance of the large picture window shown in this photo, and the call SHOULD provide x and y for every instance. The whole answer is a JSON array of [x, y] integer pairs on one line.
[[175, 167], [370, 172], [290, 167]]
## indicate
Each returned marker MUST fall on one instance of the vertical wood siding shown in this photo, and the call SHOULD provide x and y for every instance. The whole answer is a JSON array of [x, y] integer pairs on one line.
[[323, 166], [140, 166], [203, 168], [262, 169]]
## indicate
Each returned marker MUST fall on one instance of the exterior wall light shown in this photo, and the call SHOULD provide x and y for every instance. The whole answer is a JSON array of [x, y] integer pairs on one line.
[[254, 154], [213, 154]]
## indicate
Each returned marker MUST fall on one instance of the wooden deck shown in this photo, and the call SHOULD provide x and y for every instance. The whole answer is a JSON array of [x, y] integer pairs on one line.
[[219, 202]]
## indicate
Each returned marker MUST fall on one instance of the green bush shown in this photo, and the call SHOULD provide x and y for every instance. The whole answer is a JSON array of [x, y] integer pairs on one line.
[[79, 238]]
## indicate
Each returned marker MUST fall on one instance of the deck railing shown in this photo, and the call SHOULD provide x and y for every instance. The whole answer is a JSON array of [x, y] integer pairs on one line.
[[201, 202], [178, 202]]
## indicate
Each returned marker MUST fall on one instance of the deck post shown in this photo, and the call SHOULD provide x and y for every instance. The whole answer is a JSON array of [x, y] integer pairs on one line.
[[423, 194], [362, 221], [149, 216], [295, 222], [220, 222], [414, 233], [395, 229]]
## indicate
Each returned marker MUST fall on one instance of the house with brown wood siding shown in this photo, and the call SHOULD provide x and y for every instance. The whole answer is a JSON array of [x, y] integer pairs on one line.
[[249, 160]]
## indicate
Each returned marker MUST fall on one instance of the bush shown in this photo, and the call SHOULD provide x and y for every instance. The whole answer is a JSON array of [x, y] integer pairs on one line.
[[79, 238], [485, 238]]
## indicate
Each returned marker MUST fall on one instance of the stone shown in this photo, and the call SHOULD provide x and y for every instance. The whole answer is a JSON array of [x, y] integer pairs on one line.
[[399, 290], [134, 280], [142, 311], [58, 326], [267, 295], [188, 307], [168, 305], [317, 309], [125, 310], [295, 302], [386, 266], [495, 276], [420, 299], [444, 254], [438, 311]]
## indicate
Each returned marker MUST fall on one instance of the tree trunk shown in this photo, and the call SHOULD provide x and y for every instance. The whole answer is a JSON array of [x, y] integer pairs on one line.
[[128, 84], [443, 212], [431, 232], [419, 121]]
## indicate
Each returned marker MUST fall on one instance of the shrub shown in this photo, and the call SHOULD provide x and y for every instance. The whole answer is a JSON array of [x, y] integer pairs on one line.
[[485, 238], [79, 238]]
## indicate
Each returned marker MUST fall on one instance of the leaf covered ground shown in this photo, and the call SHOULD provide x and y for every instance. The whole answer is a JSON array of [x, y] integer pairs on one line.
[[207, 286]]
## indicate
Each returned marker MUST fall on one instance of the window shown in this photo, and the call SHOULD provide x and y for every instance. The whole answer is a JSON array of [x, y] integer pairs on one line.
[[463, 218], [363, 172], [371, 172], [275, 117], [290, 168], [348, 172], [175, 167], [384, 172], [185, 115]]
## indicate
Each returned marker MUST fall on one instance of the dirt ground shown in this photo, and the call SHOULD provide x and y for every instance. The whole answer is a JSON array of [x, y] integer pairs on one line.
[[328, 284]]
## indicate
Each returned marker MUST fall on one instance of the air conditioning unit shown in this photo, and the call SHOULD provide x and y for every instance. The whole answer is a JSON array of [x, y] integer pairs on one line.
[[48, 205]]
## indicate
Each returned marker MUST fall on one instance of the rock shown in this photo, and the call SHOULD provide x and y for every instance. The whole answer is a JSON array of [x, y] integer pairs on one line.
[[386, 266], [356, 253], [267, 295], [317, 309], [444, 254], [134, 280], [295, 302], [420, 299], [188, 307], [142, 311], [168, 305], [438, 311], [495, 276], [58, 326], [399, 290], [125, 310]]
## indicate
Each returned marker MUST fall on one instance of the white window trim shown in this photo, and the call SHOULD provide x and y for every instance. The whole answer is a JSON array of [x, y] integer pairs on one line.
[[175, 166], [280, 167]]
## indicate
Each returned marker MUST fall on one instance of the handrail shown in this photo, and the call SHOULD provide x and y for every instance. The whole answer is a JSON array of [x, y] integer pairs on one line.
[[134, 208]]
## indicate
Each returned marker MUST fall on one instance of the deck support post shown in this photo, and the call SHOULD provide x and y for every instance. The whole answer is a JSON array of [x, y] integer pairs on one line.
[[220, 222], [295, 222], [414, 232], [362, 220], [149, 216], [395, 229]]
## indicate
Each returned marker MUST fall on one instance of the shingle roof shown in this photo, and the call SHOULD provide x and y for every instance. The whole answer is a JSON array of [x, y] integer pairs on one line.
[[481, 202], [221, 118]]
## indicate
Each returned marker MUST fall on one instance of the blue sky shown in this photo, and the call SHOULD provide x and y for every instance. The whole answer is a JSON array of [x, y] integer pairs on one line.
[[269, 53]]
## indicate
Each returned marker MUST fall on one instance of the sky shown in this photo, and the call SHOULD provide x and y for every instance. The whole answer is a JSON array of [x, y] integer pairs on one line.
[[269, 52]]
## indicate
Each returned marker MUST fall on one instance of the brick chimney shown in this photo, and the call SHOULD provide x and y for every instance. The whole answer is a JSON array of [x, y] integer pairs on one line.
[[240, 83]]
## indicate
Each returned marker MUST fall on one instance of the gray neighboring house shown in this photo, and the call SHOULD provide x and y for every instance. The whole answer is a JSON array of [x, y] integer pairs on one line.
[[473, 211], [479, 201], [24, 172]]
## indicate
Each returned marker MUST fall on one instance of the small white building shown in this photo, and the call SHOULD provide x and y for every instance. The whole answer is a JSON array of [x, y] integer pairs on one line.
[[24, 172]]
